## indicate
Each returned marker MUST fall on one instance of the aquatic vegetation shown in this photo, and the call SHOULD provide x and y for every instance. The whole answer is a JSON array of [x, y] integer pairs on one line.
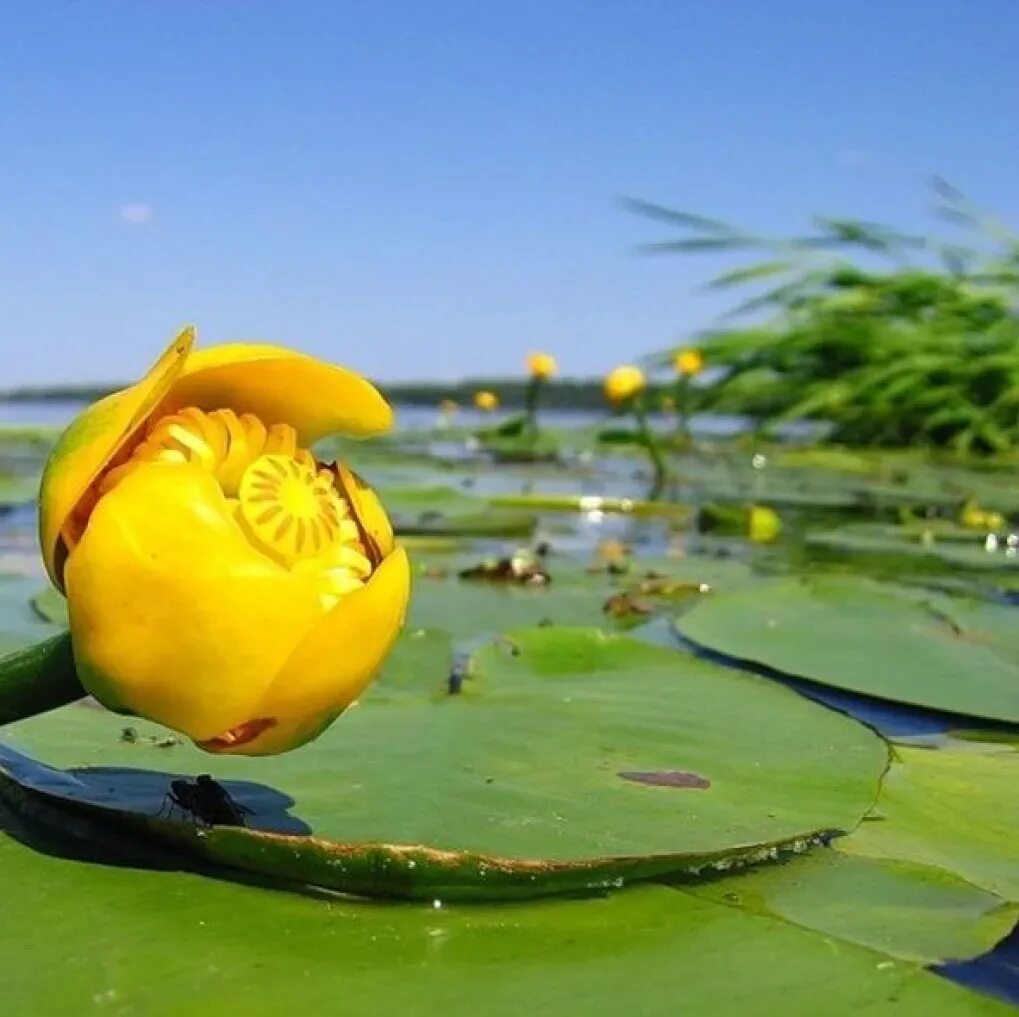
[[688, 364], [600, 710], [541, 367], [624, 389], [923, 352]]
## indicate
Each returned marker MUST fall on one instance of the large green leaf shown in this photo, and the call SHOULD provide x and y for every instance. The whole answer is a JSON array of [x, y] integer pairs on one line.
[[930, 876], [914, 912], [944, 547], [447, 511], [568, 759], [929, 650], [470, 609], [136, 936], [587, 503], [954, 808]]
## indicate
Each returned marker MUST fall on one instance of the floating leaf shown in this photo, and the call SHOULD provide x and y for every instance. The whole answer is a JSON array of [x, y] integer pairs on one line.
[[915, 912], [140, 936], [511, 787], [956, 809], [881, 640]]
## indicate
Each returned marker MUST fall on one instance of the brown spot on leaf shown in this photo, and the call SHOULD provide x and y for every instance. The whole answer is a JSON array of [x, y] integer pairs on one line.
[[666, 778]]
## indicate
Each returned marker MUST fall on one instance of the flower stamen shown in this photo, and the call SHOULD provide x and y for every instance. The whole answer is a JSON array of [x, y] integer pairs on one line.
[[292, 509]]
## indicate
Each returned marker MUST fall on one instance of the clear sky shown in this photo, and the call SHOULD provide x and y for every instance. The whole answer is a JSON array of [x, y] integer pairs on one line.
[[426, 188]]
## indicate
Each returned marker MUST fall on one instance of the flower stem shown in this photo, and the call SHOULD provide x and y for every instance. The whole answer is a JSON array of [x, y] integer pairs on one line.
[[38, 678], [531, 406], [653, 450], [683, 410]]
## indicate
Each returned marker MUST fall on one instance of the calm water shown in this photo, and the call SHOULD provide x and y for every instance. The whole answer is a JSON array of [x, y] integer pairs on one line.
[[408, 418]]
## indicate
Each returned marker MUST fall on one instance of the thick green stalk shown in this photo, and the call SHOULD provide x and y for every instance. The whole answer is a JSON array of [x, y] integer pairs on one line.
[[653, 450], [38, 678], [531, 406], [683, 409]]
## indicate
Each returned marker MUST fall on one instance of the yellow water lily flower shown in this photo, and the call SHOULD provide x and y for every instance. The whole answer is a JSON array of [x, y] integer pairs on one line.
[[541, 366], [688, 363], [976, 518], [486, 401], [220, 579], [763, 524], [624, 383]]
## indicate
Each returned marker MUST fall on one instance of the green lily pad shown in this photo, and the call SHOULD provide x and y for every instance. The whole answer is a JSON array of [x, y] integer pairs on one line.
[[852, 633], [20, 623], [81, 935], [593, 503], [782, 497], [50, 606], [914, 912], [568, 759], [466, 524], [956, 809], [944, 547], [445, 511], [468, 609], [929, 495]]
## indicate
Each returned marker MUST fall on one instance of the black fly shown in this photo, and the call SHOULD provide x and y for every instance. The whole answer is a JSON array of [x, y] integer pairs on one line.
[[207, 801]]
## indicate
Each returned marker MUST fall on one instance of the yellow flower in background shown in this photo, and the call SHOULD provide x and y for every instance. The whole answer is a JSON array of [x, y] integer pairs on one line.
[[623, 383], [688, 363], [763, 524], [220, 579], [486, 401], [976, 518], [541, 366], [447, 407]]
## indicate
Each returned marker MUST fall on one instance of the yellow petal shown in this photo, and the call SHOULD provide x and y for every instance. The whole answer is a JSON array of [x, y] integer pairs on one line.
[[624, 382], [541, 365], [366, 507], [281, 386], [174, 616], [92, 441], [332, 665]]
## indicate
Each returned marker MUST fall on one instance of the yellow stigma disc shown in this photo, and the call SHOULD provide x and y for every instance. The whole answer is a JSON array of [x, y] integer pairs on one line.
[[289, 510]]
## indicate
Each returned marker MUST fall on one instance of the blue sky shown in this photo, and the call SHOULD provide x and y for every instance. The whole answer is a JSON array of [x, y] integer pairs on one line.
[[427, 188]]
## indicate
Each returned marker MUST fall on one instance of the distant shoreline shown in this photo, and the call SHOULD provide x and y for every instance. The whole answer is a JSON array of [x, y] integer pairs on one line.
[[564, 394]]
